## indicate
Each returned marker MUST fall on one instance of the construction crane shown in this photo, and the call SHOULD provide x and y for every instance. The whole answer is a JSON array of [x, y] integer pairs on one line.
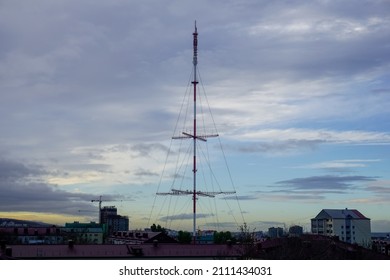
[[100, 207]]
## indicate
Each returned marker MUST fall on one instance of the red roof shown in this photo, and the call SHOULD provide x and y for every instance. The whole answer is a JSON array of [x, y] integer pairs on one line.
[[357, 213]]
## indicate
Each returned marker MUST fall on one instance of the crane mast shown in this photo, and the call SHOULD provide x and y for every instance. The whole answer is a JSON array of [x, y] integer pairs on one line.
[[100, 207]]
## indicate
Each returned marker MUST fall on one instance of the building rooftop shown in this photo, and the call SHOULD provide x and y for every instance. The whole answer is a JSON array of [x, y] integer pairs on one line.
[[340, 214]]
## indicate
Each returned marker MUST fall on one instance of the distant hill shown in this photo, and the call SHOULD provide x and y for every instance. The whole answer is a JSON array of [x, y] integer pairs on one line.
[[7, 222]]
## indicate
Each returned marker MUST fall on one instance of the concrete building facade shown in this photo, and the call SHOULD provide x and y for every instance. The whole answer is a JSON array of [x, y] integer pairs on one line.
[[349, 225], [109, 216], [275, 232], [85, 233]]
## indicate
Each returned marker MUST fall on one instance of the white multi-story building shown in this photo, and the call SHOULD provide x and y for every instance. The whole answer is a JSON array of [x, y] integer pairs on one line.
[[348, 224]]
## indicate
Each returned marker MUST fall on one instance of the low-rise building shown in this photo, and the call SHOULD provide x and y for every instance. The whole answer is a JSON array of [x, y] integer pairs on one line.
[[139, 237], [32, 235], [85, 233]]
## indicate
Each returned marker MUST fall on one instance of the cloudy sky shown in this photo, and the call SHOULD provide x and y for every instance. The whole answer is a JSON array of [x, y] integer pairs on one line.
[[91, 91]]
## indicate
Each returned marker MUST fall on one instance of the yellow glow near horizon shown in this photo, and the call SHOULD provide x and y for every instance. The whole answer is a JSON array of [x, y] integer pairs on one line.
[[55, 219]]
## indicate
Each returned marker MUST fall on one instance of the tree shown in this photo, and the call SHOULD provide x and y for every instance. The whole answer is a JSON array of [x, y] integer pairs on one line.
[[157, 228], [222, 237], [184, 237], [246, 239]]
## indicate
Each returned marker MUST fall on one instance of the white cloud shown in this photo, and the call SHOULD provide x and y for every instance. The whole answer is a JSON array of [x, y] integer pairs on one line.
[[341, 165], [320, 135]]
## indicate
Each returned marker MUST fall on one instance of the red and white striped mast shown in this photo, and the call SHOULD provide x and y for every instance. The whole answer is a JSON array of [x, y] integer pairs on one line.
[[195, 137], [194, 82]]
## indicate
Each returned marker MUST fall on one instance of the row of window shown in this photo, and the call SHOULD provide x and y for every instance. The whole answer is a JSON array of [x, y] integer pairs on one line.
[[348, 239], [347, 232], [320, 226], [89, 234], [347, 227], [36, 232]]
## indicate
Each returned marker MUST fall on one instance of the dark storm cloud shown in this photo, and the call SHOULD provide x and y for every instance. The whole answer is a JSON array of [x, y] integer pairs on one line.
[[284, 194], [325, 183], [41, 197], [22, 188], [315, 188], [14, 171]]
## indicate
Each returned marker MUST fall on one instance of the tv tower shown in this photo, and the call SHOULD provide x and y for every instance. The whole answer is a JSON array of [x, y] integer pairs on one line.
[[195, 137]]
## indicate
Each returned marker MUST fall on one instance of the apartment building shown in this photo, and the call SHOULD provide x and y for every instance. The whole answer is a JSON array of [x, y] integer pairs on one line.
[[349, 225], [275, 232]]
